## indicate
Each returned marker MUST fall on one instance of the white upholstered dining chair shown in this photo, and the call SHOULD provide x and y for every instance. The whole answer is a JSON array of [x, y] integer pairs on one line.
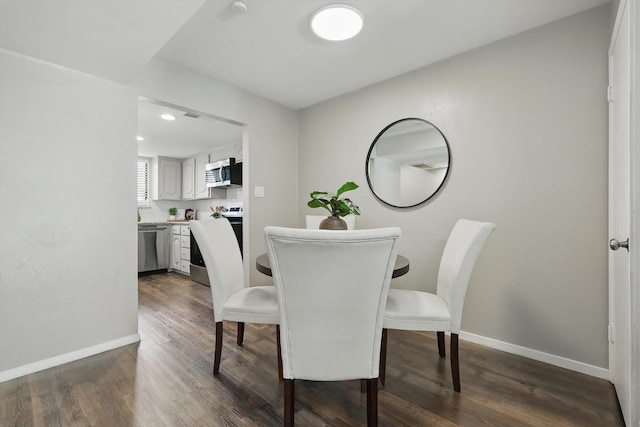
[[440, 312], [312, 222], [232, 299], [331, 288]]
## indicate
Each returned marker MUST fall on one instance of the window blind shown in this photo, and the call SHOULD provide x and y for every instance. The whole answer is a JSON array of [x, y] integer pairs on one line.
[[143, 182]]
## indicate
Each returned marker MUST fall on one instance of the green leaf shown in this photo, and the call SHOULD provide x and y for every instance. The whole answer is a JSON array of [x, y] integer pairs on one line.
[[352, 206], [332, 202], [347, 186], [315, 203], [317, 194]]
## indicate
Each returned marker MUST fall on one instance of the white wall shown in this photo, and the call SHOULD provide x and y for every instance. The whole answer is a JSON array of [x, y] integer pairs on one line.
[[269, 146], [526, 119], [67, 196], [68, 282]]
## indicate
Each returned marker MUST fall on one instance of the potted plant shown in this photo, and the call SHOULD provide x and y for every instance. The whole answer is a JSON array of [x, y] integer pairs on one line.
[[336, 206], [172, 213], [216, 211]]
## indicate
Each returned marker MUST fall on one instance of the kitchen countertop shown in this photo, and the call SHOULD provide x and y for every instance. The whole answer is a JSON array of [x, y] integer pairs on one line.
[[167, 222]]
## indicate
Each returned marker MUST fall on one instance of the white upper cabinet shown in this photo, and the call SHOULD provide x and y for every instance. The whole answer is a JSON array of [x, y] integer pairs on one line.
[[233, 150], [194, 180], [201, 189], [166, 179], [188, 175]]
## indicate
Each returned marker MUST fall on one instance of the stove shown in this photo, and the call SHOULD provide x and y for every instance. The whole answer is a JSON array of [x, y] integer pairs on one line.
[[232, 212], [198, 268]]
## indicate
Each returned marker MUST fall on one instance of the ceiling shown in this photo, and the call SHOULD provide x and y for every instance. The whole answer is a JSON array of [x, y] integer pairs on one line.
[[269, 50], [189, 134]]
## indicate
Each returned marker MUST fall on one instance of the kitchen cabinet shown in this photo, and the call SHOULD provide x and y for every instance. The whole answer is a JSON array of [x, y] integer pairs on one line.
[[175, 247], [221, 153], [185, 249], [194, 179], [201, 189], [166, 179], [188, 175]]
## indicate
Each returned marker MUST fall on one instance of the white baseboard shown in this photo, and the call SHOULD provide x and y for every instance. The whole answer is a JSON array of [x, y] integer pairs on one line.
[[66, 358], [562, 362], [540, 356]]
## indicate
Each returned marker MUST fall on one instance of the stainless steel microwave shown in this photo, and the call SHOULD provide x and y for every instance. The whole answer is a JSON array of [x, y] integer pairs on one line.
[[224, 173]]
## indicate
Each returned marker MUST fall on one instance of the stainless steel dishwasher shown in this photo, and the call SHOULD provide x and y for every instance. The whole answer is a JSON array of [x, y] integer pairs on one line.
[[154, 244]]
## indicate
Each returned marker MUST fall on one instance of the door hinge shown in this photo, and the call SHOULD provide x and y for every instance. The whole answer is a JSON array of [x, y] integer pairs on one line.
[[610, 333], [609, 94]]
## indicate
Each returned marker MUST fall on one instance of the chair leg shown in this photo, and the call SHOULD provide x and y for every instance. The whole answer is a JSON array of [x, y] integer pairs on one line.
[[218, 348], [280, 375], [240, 337], [289, 402], [372, 402], [441, 347], [455, 363], [382, 368], [383, 357]]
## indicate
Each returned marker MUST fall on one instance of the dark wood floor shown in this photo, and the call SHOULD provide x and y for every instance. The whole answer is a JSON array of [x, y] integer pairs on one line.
[[166, 380]]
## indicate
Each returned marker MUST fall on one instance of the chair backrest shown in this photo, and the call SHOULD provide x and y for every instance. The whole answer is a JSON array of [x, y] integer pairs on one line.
[[221, 255], [312, 222], [460, 254], [332, 288]]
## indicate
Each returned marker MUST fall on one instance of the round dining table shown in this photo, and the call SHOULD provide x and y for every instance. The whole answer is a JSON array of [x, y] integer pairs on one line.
[[400, 268]]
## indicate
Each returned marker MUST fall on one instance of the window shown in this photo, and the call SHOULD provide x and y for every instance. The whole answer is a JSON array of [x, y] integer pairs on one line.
[[143, 182]]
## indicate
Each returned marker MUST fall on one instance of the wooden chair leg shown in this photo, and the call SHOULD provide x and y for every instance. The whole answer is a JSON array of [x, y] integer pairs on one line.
[[441, 347], [372, 402], [383, 357], [218, 348], [240, 337], [289, 402], [280, 376], [455, 364], [382, 368]]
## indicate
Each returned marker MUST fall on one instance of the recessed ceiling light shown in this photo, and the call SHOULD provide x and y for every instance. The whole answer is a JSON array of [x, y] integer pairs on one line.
[[139, 138], [167, 116], [337, 22]]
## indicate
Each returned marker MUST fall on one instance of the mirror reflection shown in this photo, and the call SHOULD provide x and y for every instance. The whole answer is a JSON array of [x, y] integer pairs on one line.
[[407, 163]]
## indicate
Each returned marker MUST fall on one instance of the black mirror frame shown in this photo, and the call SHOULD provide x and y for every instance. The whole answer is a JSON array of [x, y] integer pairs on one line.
[[366, 162]]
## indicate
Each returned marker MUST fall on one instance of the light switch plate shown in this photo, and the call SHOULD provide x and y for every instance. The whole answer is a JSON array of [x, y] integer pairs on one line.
[[259, 191]]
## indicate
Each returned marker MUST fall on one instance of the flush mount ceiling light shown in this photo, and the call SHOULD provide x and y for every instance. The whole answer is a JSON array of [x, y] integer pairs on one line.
[[337, 22], [239, 7], [139, 138], [167, 116]]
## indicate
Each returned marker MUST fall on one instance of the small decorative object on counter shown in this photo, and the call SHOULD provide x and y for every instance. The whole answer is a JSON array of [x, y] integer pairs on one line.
[[336, 206], [216, 211], [139, 218], [189, 214], [172, 213]]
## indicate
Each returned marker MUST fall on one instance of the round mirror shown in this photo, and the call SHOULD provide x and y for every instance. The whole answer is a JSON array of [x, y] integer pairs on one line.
[[407, 163]]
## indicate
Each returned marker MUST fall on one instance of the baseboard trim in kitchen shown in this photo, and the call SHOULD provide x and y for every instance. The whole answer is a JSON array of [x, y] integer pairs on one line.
[[540, 356], [61, 359]]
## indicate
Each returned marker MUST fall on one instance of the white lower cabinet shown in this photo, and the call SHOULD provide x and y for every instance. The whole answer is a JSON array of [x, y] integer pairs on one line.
[[185, 249], [175, 247], [181, 249]]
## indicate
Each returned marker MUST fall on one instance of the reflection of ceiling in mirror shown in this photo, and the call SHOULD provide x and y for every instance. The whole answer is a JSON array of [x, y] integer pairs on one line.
[[422, 146], [190, 134]]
